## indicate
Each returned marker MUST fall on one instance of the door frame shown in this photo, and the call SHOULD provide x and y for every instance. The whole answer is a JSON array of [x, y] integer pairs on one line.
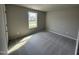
[[4, 35]]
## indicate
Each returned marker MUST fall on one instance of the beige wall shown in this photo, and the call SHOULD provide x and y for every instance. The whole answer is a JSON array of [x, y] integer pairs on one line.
[[17, 18], [64, 22]]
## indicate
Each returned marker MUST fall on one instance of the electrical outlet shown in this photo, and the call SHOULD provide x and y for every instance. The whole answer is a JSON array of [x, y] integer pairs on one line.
[[17, 33]]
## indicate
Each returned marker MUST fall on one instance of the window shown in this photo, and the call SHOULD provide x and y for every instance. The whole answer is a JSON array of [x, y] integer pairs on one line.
[[32, 20]]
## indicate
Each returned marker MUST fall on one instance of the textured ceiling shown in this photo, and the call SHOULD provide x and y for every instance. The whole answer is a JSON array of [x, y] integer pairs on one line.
[[48, 7]]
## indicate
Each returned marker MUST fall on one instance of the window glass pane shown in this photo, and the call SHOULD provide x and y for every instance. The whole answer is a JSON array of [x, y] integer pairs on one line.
[[32, 20]]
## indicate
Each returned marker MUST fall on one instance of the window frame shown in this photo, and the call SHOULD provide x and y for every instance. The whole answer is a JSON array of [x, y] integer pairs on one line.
[[35, 20]]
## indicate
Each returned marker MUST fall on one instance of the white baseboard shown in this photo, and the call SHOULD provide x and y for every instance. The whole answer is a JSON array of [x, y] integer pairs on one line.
[[63, 35]]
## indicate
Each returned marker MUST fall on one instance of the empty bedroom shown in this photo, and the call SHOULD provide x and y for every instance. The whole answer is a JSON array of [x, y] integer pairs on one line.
[[42, 29]]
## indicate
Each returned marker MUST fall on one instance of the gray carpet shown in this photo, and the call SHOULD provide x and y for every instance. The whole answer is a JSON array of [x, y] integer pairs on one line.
[[46, 43]]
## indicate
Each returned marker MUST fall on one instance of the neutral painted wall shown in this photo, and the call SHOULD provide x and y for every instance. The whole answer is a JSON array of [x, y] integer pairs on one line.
[[64, 22], [17, 18], [3, 39]]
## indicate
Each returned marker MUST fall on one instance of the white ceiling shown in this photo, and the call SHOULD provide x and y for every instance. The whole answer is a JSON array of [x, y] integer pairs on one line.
[[47, 7]]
